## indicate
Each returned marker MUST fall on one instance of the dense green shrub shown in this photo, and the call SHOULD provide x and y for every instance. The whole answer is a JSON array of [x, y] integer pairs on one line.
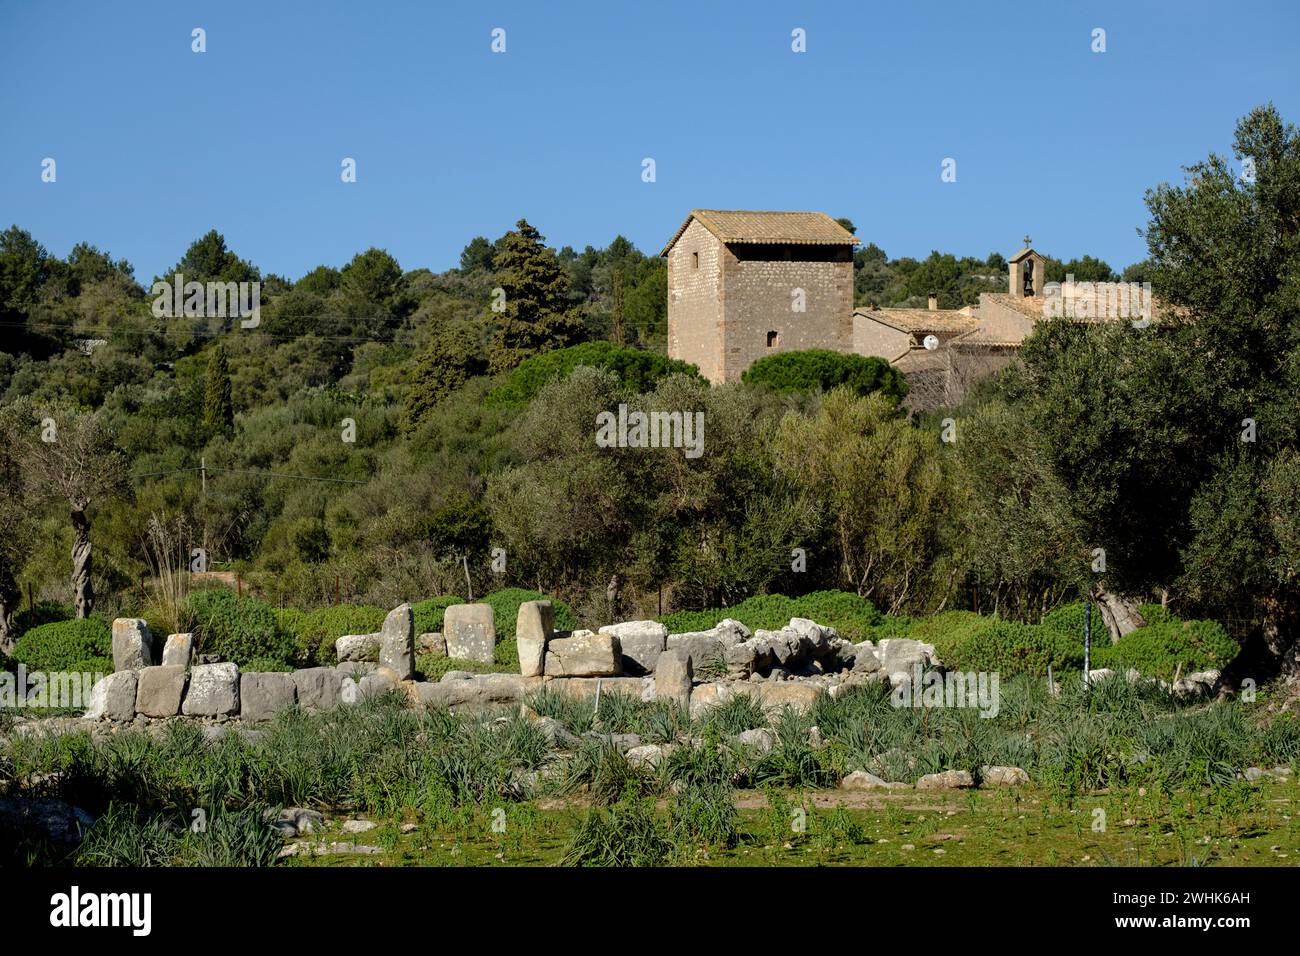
[[1011, 648], [45, 612], [93, 665], [239, 629], [636, 370], [428, 613], [315, 634], [505, 607], [855, 618], [810, 369], [1168, 648], [59, 645]]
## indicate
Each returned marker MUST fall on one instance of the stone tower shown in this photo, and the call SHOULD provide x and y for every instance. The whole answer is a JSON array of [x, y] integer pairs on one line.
[[742, 285]]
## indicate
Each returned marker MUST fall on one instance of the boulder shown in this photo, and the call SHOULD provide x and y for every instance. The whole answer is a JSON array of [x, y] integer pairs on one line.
[[262, 696], [431, 643], [355, 648], [584, 654], [706, 650], [864, 780], [60, 823], [799, 696], [178, 651], [132, 644], [376, 684], [760, 739], [584, 688], [673, 677], [397, 642], [159, 691], [113, 698], [641, 643], [706, 696], [471, 632], [647, 755], [817, 640], [863, 657], [785, 647], [533, 629], [948, 780], [902, 654], [1003, 776], [318, 687], [477, 690], [213, 691]]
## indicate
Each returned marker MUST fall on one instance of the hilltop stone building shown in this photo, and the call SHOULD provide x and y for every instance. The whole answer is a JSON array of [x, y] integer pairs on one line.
[[744, 284]]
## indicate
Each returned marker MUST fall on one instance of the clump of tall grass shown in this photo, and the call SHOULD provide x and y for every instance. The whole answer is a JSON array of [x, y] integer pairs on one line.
[[628, 833]]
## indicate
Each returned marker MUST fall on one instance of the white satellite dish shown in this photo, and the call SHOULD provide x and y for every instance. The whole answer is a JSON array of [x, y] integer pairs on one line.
[[931, 342]]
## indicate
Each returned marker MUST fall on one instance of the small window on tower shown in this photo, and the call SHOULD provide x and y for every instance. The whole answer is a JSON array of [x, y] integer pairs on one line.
[[773, 339], [695, 260]]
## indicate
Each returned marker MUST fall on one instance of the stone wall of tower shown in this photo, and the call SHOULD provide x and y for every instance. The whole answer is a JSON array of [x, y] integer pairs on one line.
[[695, 318]]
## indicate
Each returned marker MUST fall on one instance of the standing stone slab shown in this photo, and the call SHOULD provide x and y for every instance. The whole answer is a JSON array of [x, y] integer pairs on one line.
[[213, 692], [113, 698], [533, 630], [397, 642], [132, 644], [673, 676], [159, 691], [471, 632], [318, 687], [641, 643], [178, 651], [262, 696]]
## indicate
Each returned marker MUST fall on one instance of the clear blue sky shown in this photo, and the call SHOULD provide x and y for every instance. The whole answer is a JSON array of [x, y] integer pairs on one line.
[[155, 144]]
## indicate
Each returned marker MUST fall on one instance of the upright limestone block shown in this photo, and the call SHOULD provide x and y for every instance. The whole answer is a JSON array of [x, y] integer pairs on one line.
[[262, 696], [178, 651], [471, 632], [673, 676], [113, 698], [318, 687], [397, 642], [213, 691], [132, 644], [641, 642], [533, 629], [159, 691]]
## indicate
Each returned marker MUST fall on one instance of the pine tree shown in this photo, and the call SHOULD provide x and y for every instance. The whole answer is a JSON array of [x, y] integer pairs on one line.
[[218, 406], [537, 315]]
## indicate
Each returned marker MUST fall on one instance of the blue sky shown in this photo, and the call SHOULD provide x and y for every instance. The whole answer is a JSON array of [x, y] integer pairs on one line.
[[156, 144]]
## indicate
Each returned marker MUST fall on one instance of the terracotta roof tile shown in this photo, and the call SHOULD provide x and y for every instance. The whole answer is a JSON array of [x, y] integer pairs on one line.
[[793, 228]]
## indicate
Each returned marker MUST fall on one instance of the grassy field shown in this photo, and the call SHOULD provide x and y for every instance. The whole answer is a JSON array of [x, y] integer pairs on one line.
[[1125, 774], [1260, 826]]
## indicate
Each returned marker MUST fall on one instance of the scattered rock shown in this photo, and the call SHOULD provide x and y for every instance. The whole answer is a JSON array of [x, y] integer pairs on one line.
[[947, 780], [358, 826], [646, 755], [431, 643], [863, 780], [61, 823], [760, 739], [1003, 776]]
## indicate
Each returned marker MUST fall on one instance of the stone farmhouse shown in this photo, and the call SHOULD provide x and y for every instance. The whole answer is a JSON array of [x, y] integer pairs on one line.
[[743, 284]]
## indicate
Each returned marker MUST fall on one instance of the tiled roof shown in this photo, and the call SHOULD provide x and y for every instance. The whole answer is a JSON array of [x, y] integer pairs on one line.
[[794, 228], [921, 320]]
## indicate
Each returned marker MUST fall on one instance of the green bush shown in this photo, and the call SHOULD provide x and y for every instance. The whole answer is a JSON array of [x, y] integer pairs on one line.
[[45, 612], [505, 608], [810, 369], [316, 633], [239, 629], [636, 370], [1011, 648], [59, 645], [93, 665], [855, 618], [264, 665], [1168, 648], [428, 613]]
